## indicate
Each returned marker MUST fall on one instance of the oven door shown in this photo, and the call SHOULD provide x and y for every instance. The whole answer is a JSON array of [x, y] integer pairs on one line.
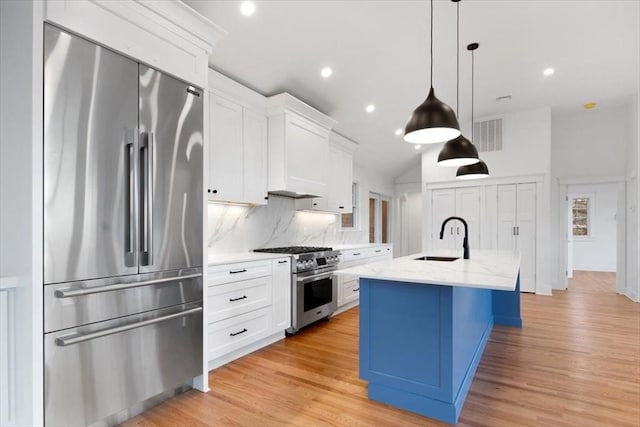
[[315, 297]]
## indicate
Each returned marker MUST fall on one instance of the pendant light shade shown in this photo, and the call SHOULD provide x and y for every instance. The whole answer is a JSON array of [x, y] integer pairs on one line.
[[476, 171], [458, 152], [433, 121]]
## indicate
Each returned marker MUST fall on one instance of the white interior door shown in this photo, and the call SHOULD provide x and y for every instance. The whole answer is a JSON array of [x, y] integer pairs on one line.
[[569, 236], [506, 217], [525, 235], [468, 207], [443, 205]]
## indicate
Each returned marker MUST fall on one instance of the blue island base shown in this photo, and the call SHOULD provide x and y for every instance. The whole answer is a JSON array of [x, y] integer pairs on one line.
[[420, 344]]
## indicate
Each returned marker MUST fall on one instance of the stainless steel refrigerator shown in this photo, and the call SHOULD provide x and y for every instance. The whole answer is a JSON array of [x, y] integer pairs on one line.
[[123, 161]]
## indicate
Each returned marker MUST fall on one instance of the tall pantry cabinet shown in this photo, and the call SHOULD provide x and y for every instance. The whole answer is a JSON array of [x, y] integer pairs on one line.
[[517, 228]]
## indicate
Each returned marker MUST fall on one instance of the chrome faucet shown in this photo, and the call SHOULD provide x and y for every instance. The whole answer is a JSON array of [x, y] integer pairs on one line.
[[465, 242]]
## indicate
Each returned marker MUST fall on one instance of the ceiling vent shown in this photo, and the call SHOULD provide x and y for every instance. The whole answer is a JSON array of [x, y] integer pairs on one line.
[[487, 135]]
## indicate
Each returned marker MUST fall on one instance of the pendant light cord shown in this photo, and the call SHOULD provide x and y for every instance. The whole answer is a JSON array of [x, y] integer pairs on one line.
[[458, 60], [431, 83], [473, 126]]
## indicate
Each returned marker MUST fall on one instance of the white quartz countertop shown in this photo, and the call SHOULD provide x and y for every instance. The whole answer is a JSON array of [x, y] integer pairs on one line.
[[235, 257], [486, 269], [358, 246]]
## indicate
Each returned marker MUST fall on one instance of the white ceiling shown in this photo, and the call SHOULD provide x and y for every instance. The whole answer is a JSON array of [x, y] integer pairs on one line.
[[379, 54]]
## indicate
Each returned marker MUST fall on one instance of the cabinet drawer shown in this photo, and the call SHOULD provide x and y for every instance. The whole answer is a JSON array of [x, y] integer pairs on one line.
[[351, 290], [236, 298], [228, 273], [356, 255], [231, 334]]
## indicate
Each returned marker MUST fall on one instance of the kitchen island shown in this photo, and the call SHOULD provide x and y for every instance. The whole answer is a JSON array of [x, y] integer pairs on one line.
[[424, 325]]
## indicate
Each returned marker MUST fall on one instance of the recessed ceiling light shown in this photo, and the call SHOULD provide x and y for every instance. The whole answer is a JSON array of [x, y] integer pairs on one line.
[[370, 108], [418, 146], [548, 71], [589, 105], [503, 98], [326, 72], [247, 8], [398, 132]]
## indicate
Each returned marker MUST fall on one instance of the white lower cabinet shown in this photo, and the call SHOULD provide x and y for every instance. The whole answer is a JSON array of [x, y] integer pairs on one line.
[[248, 307], [349, 286]]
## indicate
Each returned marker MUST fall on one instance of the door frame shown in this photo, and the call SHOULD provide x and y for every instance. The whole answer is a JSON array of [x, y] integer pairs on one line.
[[621, 226]]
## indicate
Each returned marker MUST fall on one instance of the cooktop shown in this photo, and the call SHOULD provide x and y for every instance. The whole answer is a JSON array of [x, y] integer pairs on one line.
[[294, 250]]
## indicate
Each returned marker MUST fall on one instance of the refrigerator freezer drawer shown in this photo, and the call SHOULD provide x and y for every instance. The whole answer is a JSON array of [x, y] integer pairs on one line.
[[97, 370], [68, 305]]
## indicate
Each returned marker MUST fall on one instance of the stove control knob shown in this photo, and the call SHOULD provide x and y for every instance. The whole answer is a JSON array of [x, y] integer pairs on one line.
[[299, 265]]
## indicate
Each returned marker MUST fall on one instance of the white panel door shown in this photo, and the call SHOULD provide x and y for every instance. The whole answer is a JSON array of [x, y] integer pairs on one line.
[[525, 235], [507, 217], [468, 208], [443, 205], [255, 157], [307, 156], [281, 294], [225, 151], [339, 197]]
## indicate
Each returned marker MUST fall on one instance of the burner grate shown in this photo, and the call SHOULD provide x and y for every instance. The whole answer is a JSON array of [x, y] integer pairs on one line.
[[294, 250]]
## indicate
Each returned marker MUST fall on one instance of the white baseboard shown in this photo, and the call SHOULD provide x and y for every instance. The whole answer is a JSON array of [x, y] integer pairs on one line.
[[632, 295], [602, 268], [257, 345]]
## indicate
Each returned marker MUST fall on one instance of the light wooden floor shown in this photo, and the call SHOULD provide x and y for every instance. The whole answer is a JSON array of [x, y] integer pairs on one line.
[[576, 362]]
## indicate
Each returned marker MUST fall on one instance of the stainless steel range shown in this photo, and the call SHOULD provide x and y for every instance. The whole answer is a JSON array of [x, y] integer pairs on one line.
[[314, 288]]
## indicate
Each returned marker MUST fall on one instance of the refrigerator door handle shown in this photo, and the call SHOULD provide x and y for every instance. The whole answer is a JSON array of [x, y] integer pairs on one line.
[[70, 292], [147, 199], [66, 341], [129, 256]]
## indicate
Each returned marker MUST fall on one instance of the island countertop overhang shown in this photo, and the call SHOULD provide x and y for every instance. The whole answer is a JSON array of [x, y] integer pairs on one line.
[[487, 269]]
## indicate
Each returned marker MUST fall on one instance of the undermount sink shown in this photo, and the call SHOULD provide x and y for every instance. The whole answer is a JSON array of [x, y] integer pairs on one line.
[[437, 258]]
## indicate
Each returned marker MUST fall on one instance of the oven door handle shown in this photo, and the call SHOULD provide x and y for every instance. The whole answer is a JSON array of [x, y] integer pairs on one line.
[[315, 276]]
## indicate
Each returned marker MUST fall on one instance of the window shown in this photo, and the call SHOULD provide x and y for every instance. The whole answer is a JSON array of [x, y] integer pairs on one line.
[[580, 216], [350, 220], [379, 218]]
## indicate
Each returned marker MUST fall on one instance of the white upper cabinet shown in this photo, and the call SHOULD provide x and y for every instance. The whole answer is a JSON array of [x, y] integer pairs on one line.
[[225, 150], [237, 143], [255, 157], [298, 148], [340, 179]]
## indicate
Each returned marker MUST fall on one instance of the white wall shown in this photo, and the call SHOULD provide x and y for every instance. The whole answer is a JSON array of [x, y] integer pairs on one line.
[[632, 285], [526, 140], [586, 146], [408, 211], [597, 252], [241, 229], [21, 201], [526, 152]]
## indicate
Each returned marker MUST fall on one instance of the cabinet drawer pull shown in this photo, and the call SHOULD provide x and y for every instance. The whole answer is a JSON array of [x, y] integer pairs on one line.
[[233, 334], [379, 250], [283, 262], [356, 289], [244, 270], [356, 254], [237, 299], [340, 207]]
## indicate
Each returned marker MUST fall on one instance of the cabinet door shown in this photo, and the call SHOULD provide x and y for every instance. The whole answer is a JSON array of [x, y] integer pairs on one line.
[[225, 152], [255, 157], [340, 181], [443, 205], [307, 156], [281, 294], [526, 235], [468, 207], [506, 217]]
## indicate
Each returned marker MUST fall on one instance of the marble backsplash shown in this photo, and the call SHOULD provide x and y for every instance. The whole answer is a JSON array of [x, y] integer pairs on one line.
[[240, 229]]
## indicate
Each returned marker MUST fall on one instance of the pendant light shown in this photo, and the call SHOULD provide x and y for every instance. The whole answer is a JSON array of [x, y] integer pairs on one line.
[[477, 170], [459, 151], [433, 121]]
